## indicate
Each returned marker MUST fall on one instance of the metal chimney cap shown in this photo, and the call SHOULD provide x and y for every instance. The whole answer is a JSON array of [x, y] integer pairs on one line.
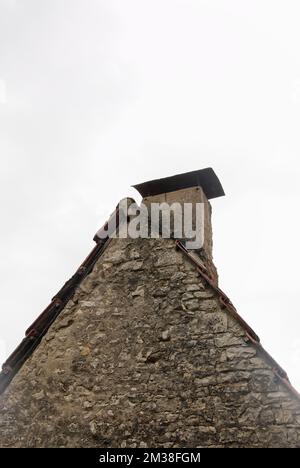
[[205, 178]]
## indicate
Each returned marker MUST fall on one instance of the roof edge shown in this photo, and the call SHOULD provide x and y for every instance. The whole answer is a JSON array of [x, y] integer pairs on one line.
[[251, 336], [205, 178]]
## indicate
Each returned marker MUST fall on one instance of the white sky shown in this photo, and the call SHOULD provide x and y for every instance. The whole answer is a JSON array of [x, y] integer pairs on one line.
[[96, 96]]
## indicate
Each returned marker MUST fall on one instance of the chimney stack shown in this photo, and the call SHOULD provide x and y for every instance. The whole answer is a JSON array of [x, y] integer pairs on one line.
[[190, 187]]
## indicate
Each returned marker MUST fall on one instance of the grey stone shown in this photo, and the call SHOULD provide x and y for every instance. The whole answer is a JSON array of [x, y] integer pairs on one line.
[[165, 336], [193, 287], [243, 352], [140, 291]]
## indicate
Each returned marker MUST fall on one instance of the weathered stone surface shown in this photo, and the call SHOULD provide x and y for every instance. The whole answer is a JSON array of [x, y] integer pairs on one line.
[[143, 356]]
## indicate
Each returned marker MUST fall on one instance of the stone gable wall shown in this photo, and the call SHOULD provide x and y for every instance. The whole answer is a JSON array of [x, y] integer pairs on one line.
[[145, 357]]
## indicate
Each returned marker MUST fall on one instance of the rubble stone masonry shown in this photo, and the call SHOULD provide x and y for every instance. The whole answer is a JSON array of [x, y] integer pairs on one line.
[[144, 356]]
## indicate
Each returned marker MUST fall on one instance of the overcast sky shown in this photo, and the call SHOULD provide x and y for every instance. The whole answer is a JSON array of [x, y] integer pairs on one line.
[[98, 95]]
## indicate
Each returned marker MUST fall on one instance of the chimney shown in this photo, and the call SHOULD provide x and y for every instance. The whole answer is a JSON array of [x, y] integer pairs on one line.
[[196, 187]]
